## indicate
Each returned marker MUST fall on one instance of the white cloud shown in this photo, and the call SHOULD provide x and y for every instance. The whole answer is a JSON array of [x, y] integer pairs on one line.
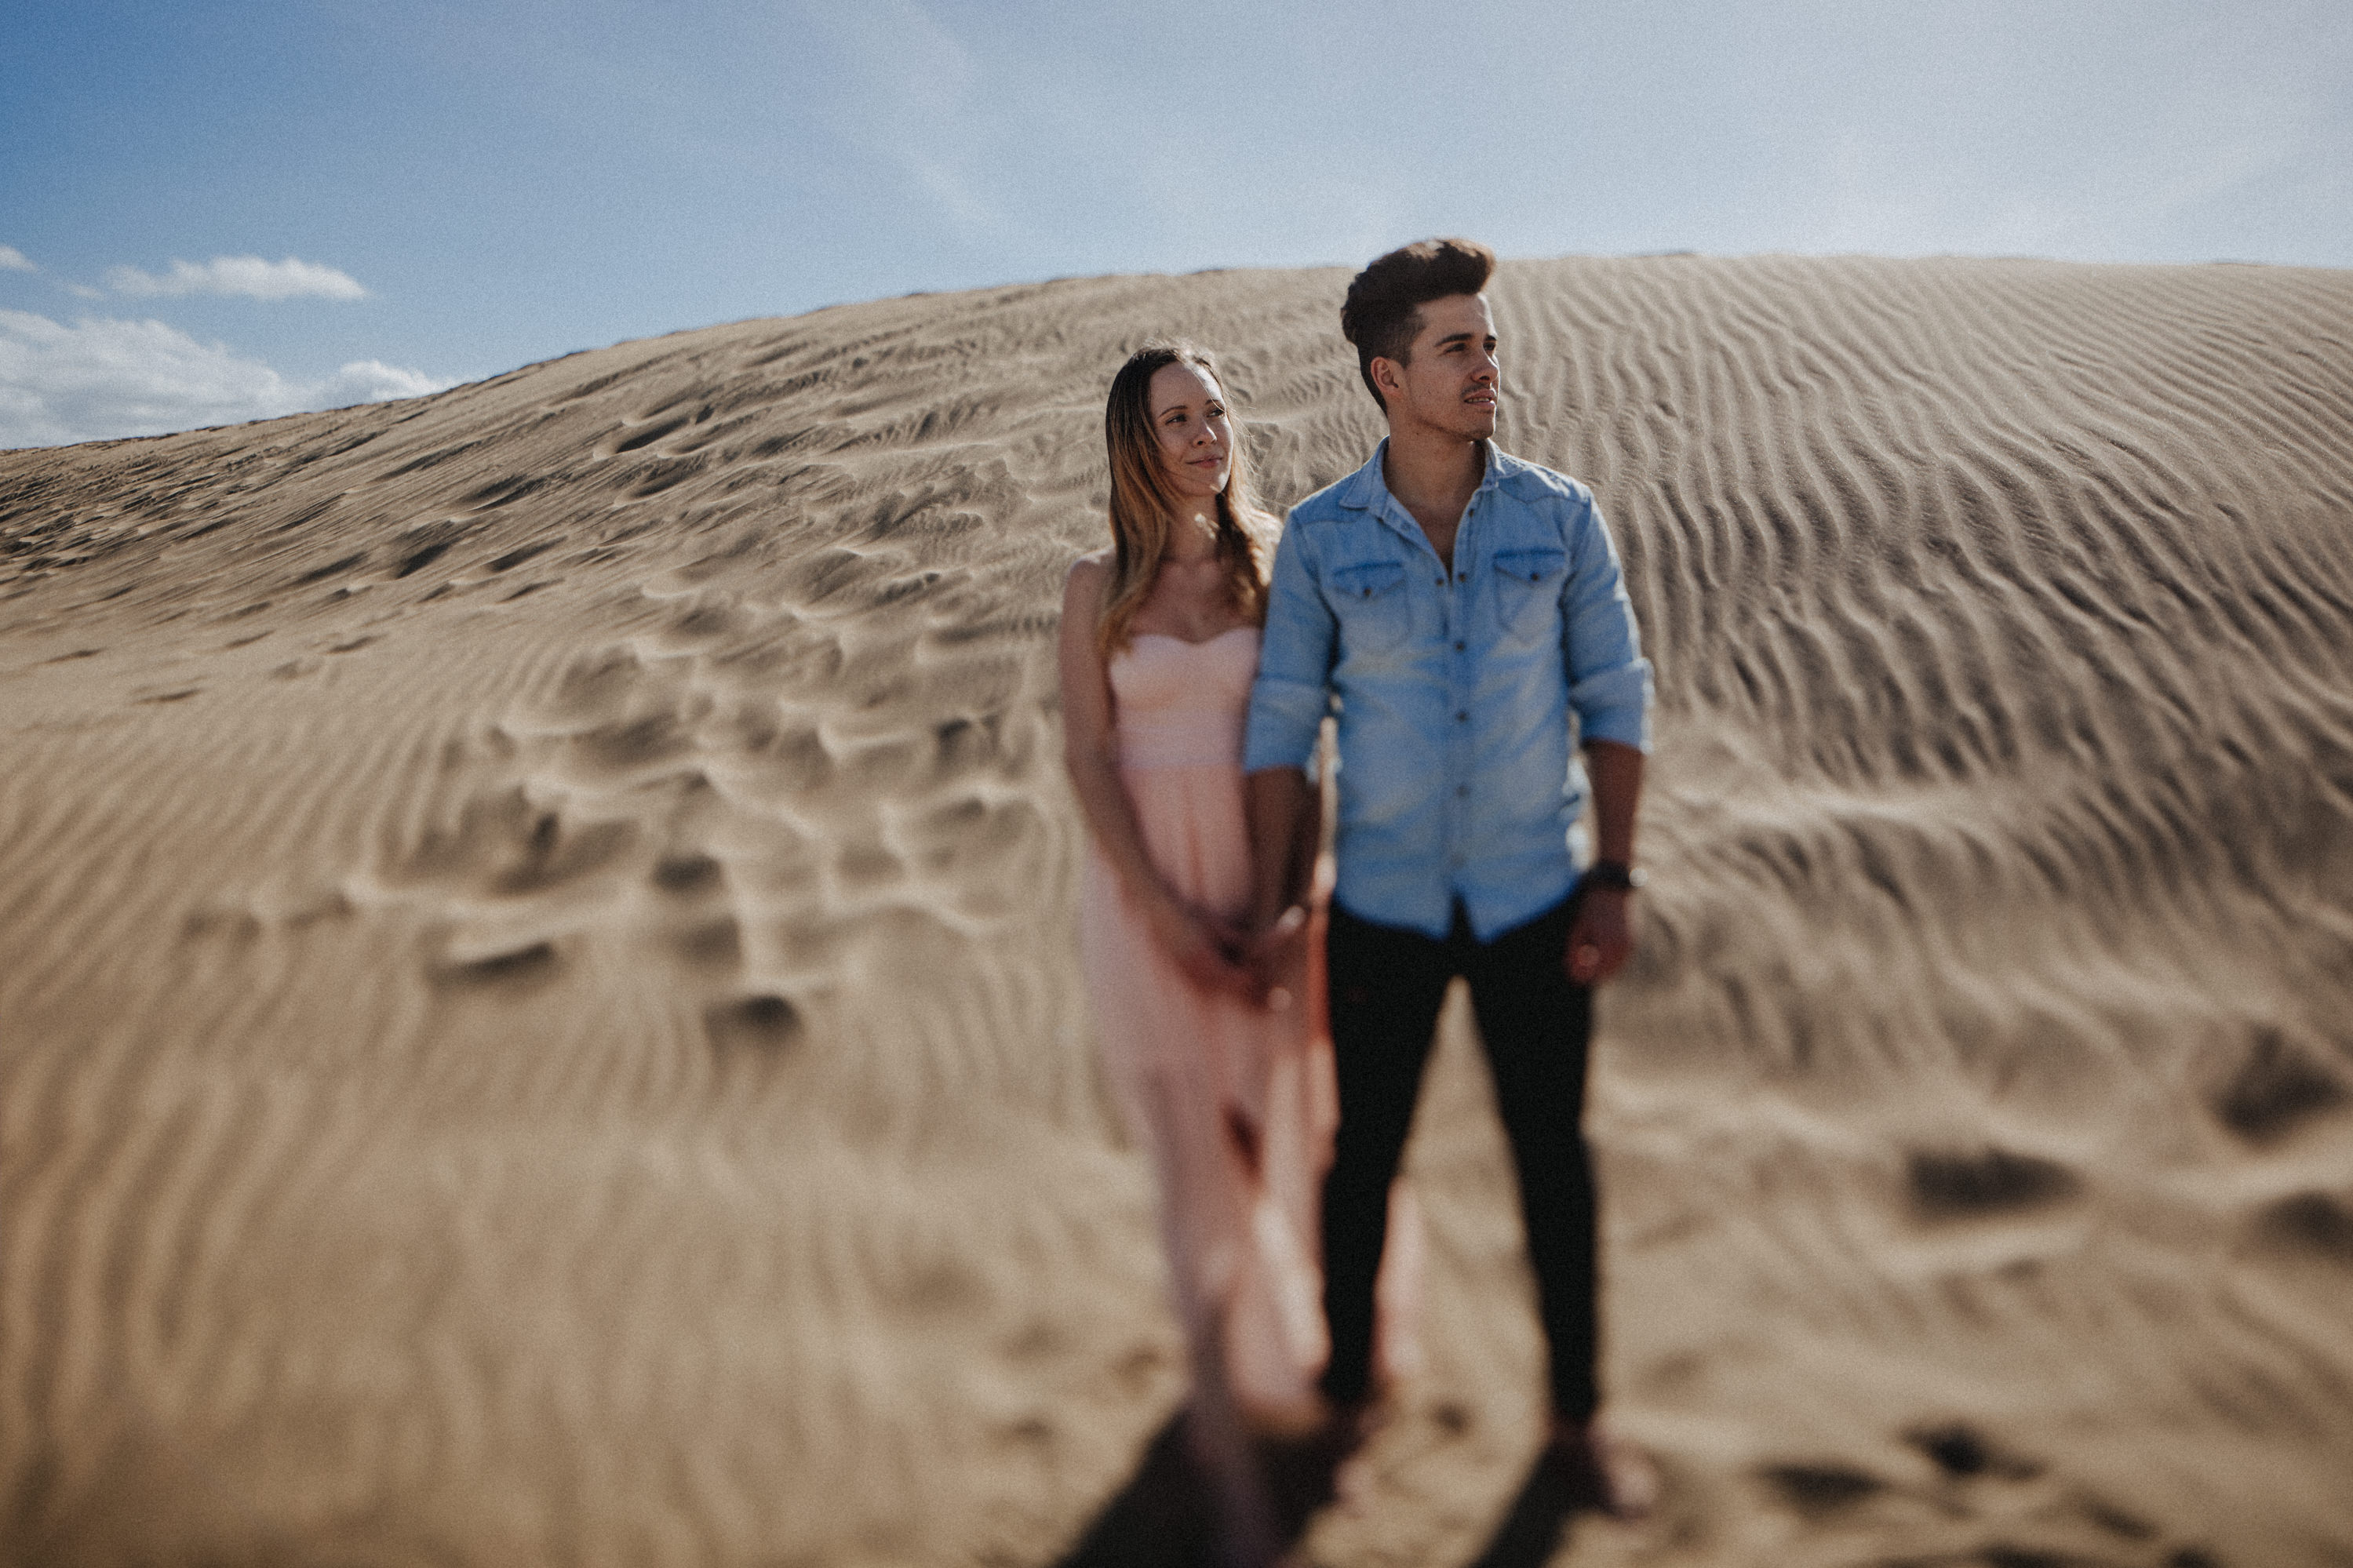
[[373, 381], [246, 275], [101, 378], [13, 260]]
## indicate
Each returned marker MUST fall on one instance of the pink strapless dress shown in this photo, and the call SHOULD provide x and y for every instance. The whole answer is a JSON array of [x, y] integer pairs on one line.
[[1234, 1103]]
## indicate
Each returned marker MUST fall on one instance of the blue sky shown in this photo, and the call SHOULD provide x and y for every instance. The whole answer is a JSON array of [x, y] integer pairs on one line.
[[222, 211]]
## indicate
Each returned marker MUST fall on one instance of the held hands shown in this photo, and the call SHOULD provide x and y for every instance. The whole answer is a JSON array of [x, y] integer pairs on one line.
[[1210, 950], [1221, 955], [1277, 956], [1601, 939]]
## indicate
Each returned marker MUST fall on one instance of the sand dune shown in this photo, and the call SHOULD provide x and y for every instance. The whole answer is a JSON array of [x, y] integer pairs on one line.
[[537, 1011]]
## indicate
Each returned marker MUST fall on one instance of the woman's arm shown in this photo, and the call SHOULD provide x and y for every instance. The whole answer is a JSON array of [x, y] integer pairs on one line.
[[1202, 946]]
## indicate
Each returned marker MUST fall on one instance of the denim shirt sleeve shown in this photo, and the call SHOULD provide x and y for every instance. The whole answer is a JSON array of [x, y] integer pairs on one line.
[[1293, 692], [1609, 679]]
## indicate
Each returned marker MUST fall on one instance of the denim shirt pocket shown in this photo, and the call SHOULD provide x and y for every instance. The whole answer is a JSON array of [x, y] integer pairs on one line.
[[1369, 601], [1527, 582]]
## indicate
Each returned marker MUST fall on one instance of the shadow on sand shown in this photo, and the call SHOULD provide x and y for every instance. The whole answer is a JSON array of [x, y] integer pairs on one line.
[[1531, 1530], [1162, 1518], [1159, 1520]]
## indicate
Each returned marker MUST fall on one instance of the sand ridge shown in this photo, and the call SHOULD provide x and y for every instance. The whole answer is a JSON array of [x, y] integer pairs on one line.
[[537, 1017]]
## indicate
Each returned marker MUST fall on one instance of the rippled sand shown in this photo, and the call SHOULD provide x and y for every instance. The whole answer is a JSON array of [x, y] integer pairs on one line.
[[537, 1013]]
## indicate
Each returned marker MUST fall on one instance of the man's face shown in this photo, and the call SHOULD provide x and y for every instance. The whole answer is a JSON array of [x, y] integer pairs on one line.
[[1452, 382]]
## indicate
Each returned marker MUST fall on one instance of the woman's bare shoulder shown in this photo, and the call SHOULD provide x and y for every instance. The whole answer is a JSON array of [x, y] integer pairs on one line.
[[1089, 577]]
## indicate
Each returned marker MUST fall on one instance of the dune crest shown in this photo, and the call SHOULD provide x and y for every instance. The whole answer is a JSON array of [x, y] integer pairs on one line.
[[537, 1011]]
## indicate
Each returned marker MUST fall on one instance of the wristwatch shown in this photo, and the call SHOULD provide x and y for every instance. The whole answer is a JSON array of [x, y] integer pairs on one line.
[[1615, 875]]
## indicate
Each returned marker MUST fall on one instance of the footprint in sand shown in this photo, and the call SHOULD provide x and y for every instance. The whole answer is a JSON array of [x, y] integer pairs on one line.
[[1963, 1453], [424, 556], [332, 569], [519, 969], [688, 876], [2025, 1516], [1947, 1185], [2318, 1224], [423, 544], [766, 1023], [2277, 1088], [628, 439], [517, 556], [504, 847], [1818, 1491], [655, 468], [499, 491]]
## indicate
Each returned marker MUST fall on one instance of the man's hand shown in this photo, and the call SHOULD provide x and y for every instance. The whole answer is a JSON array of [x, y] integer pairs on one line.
[[1601, 938], [1277, 958]]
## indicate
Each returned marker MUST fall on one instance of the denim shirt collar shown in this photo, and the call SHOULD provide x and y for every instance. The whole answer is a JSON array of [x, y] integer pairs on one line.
[[1364, 490]]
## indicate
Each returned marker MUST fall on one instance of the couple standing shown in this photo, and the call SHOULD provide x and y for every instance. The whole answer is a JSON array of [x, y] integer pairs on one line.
[[1463, 615]]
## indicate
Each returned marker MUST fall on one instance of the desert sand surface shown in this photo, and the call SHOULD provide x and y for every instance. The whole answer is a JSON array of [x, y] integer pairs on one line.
[[538, 1013]]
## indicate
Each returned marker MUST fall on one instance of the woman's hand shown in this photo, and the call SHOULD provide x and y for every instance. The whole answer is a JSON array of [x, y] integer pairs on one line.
[[1208, 948]]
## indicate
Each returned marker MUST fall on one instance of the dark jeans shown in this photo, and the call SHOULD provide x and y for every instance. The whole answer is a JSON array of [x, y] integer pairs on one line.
[[1388, 985]]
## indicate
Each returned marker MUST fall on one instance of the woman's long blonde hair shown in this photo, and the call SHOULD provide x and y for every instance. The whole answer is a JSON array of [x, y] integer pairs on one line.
[[1143, 506]]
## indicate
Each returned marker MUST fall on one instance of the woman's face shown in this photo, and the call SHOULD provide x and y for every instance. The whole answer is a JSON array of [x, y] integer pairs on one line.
[[1196, 439]]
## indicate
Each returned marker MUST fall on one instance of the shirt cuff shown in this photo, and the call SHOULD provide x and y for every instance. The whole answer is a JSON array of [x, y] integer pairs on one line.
[[1284, 717], [1615, 705]]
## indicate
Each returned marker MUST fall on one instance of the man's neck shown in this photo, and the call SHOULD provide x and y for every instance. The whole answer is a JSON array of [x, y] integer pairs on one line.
[[1433, 475]]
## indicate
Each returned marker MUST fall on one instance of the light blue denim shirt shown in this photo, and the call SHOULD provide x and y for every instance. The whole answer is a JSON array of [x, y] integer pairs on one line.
[[1462, 698]]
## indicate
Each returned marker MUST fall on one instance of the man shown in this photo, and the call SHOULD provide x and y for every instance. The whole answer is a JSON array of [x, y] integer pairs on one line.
[[1462, 613]]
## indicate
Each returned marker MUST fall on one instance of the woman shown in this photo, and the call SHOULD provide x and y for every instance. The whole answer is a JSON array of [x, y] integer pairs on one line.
[[1229, 1091]]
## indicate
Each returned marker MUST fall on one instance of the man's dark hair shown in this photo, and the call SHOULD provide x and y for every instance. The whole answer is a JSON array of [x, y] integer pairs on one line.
[[1383, 313]]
